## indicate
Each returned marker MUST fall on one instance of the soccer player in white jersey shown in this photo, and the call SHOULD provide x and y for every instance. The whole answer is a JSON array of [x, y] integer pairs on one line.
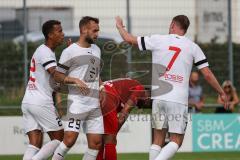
[[177, 53], [39, 113], [81, 60]]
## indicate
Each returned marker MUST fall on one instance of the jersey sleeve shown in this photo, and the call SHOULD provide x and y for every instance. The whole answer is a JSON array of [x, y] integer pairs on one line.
[[149, 42], [47, 59], [64, 62], [200, 60]]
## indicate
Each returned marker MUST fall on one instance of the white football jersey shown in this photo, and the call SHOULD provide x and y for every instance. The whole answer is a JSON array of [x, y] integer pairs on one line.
[[177, 54], [82, 63], [38, 89]]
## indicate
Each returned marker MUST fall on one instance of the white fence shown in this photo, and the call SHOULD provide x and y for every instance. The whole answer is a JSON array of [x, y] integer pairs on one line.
[[204, 133], [137, 130]]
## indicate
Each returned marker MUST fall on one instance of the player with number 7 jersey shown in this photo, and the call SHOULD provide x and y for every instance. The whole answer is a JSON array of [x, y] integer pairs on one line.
[[177, 53], [170, 110]]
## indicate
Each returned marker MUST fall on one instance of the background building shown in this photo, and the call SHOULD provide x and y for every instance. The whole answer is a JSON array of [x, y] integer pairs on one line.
[[208, 17]]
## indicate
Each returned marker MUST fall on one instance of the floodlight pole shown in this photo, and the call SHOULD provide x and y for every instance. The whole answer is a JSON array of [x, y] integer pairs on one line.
[[128, 17], [230, 47], [129, 56], [25, 43]]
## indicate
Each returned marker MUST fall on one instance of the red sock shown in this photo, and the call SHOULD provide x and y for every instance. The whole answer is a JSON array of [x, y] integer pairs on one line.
[[110, 152], [100, 154]]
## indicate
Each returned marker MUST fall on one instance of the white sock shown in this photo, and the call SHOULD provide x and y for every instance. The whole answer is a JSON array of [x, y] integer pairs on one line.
[[30, 152], [90, 154], [47, 150], [60, 152], [154, 151], [168, 151]]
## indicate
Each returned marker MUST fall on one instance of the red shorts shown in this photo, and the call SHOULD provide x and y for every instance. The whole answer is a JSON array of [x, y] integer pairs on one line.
[[110, 109]]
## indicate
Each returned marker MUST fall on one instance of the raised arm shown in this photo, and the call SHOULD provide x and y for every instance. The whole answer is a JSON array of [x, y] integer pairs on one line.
[[124, 34]]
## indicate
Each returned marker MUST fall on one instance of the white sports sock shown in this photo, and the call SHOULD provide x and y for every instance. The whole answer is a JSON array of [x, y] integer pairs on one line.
[[168, 151], [154, 151], [30, 152], [47, 150], [60, 152], [90, 154]]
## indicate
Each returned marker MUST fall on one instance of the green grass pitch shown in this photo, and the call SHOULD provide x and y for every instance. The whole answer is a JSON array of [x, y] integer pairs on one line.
[[144, 156]]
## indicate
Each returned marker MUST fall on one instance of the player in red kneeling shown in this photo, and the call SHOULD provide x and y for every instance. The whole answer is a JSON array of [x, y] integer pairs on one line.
[[119, 96]]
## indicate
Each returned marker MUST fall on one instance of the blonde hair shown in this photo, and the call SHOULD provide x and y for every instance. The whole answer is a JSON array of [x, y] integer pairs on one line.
[[228, 83]]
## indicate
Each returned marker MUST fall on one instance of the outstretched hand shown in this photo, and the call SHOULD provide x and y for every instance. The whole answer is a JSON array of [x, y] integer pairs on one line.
[[119, 22], [123, 32], [83, 88]]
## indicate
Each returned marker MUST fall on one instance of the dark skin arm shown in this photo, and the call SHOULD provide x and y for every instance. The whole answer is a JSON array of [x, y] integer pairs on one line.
[[129, 105], [62, 78], [123, 115], [59, 104]]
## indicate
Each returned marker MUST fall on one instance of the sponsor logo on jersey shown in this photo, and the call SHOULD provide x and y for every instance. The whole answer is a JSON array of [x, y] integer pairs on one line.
[[32, 86], [172, 77]]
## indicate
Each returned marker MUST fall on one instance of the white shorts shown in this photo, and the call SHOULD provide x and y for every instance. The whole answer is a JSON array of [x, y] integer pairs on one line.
[[91, 122], [44, 118], [170, 115]]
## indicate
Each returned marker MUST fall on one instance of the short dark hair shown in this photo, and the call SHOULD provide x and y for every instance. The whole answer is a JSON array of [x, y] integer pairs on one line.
[[47, 27], [182, 21], [85, 20]]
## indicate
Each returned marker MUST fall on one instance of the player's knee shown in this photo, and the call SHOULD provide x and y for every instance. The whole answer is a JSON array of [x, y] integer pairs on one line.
[[58, 135], [70, 138], [159, 142], [95, 144], [36, 142], [159, 137], [69, 142]]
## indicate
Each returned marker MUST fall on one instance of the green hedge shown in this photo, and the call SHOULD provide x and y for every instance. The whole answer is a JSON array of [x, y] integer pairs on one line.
[[12, 67]]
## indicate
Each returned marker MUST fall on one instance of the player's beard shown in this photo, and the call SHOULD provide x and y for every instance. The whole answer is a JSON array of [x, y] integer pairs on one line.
[[90, 40]]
